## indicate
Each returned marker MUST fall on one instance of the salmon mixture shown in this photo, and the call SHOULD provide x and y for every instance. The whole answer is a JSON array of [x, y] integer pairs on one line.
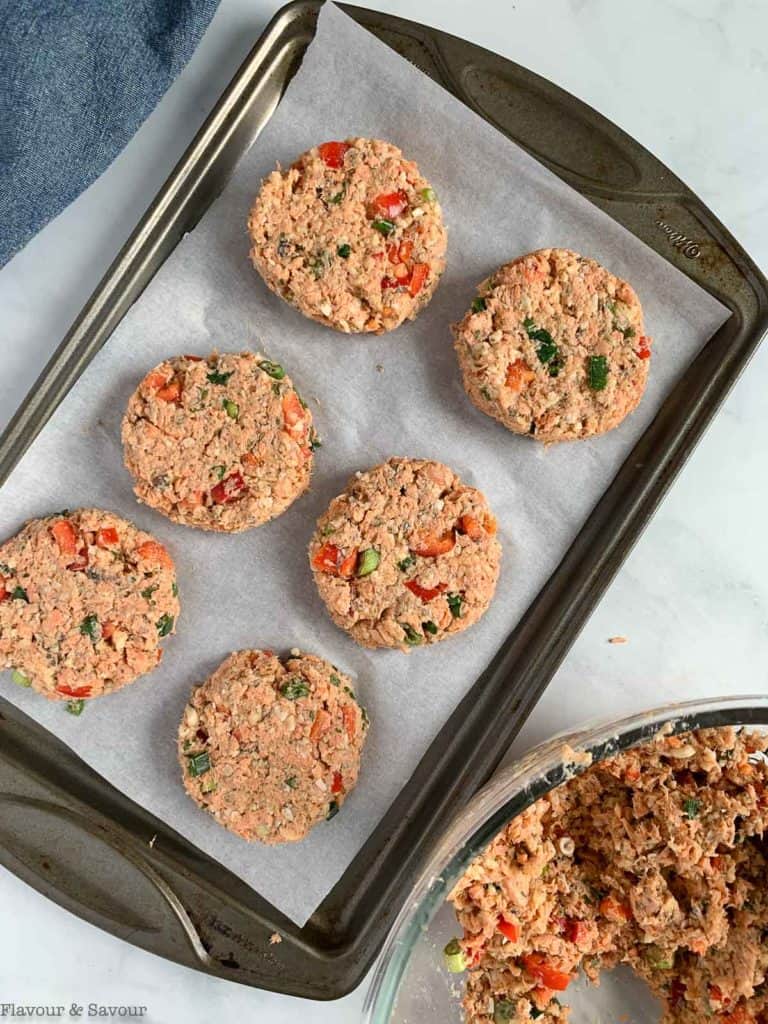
[[351, 234], [223, 443], [86, 599], [554, 347], [271, 747], [407, 555], [654, 858]]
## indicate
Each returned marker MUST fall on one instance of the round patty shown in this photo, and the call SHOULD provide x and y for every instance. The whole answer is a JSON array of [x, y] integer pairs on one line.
[[85, 600], [553, 347], [351, 234], [270, 748], [407, 555], [224, 443]]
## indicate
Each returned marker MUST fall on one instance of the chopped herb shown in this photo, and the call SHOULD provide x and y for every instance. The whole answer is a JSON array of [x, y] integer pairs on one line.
[[691, 808], [90, 627], [336, 199], [315, 442], [275, 388], [75, 707], [319, 264], [198, 764], [219, 471], [344, 251], [208, 785], [149, 591], [503, 1011], [454, 957], [364, 715], [232, 408], [369, 561], [273, 369], [350, 693], [429, 627], [175, 589], [294, 688], [6, 570], [186, 744], [386, 227], [429, 195], [547, 351], [19, 594], [327, 530], [412, 638], [219, 378], [20, 679], [478, 305], [291, 782], [611, 306], [628, 331], [536, 1013], [333, 810], [164, 625], [455, 602], [405, 563], [486, 394], [335, 679], [597, 372]]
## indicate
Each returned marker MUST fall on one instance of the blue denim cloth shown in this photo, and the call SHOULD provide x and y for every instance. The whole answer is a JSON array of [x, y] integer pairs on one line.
[[77, 78]]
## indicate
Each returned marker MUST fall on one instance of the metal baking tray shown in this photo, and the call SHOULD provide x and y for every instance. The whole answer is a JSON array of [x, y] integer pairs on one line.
[[75, 838]]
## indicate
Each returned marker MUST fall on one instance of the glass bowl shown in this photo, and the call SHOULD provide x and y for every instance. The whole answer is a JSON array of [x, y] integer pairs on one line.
[[411, 984]]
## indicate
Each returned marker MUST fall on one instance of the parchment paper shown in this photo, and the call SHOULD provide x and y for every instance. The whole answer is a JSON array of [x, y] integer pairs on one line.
[[372, 397]]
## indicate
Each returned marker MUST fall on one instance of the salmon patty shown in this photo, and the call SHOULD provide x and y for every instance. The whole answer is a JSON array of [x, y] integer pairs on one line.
[[85, 601], [223, 443], [406, 556], [554, 347], [270, 747], [654, 858], [351, 234]]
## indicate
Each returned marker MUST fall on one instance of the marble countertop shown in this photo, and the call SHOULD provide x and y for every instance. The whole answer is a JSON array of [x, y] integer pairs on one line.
[[687, 78]]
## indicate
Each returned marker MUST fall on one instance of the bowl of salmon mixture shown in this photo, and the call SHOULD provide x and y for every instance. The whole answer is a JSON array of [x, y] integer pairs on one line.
[[616, 874]]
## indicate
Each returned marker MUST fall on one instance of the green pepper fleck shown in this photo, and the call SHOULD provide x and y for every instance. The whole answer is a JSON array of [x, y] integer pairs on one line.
[[369, 560], [335, 679], [333, 810], [315, 442], [344, 251], [149, 591], [219, 378], [208, 785], [219, 471], [454, 957], [628, 331], [164, 625], [479, 304], [198, 764], [386, 227], [691, 808], [455, 602], [597, 372], [291, 782], [429, 195], [405, 563], [90, 627], [294, 688], [20, 679], [19, 594], [75, 707], [336, 199], [275, 388], [412, 638], [175, 589], [272, 369], [327, 530], [486, 394], [232, 408], [429, 627]]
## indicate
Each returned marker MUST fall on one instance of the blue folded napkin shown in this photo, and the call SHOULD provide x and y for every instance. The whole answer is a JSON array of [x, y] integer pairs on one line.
[[77, 78]]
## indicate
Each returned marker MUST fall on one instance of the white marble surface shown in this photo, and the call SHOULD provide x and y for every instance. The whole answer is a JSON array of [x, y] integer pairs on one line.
[[688, 78]]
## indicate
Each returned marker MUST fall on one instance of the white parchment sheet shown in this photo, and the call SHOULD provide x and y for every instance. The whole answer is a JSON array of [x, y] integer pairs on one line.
[[372, 397]]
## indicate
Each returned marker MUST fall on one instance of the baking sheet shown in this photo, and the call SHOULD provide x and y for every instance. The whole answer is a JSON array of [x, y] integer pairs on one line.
[[371, 398]]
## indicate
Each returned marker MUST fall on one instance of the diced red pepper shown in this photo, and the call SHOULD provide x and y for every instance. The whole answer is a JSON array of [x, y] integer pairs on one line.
[[470, 525], [337, 784], [540, 968], [332, 153], [676, 993], [389, 282], [510, 929], [518, 375], [231, 488], [489, 522], [74, 691], [741, 1015], [405, 250], [348, 565], [151, 551], [391, 204], [433, 544], [3, 590], [65, 535], [294, 415], [393, 253], [425, 593], [107, 630], [155, 380], [328, 559], [418, 277], [644, 351], [106, 537], [171, 392], [615, 910], [574, 930], [321, 724], [350, 720]]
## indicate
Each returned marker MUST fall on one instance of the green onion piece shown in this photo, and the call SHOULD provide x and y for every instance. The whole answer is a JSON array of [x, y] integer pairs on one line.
[[291, 782], [219, 471], [75, 707], [454, 957], [366, 719], [429, 195], [164, 625], [369, 560], [219, 378], [597, 372], [90, 627], [275, 388], [327, 530], [333, 810], [405, 563], [336, 199], [386, 227], [478, 305], [19, 594], [208, 785], [233, 409], [20, 679], [412, 638], [149, 591], [335, 679], [350, 693], [344, 251], [429, 627], [455, 602], [294, 688], [175, 589], [691, 808], [503, 1011], [274, 370], [198, 764]]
